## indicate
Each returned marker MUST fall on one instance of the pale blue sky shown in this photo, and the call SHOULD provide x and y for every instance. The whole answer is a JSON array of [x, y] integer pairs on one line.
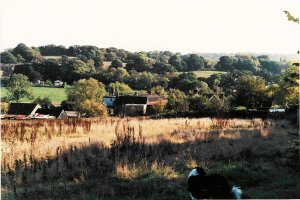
[[177, 25]]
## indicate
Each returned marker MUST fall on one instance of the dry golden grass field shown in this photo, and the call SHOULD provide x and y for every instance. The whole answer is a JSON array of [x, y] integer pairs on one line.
[[142, 158]]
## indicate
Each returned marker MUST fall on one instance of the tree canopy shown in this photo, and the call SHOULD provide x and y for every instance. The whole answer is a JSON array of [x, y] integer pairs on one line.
[[251, 92], [86, 96], [7, 57], [19, 87]]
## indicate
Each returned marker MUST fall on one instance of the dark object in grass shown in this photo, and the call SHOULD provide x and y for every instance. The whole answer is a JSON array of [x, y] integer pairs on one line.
[[203, 186]]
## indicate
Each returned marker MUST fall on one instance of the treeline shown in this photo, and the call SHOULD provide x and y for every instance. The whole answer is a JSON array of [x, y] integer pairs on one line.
[[251, 81], [87, 61], [154, 61]]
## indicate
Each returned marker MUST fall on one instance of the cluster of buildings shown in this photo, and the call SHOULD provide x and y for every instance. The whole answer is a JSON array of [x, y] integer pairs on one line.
[[133, 105], [22, 111], [126, 105]]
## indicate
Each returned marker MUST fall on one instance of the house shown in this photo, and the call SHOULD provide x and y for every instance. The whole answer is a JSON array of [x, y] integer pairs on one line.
[[153, 99], [109, 102], [58, 83], [23, 110], [135, 109], [41, 116], [137, 104], [73, 114], [51, 113]]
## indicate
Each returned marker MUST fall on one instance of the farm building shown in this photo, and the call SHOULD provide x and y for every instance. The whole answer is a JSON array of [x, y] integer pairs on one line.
[[135, 109], [134, 105], [109, 102], [35, 111], [52, 113], [22, 110], [73, 114]]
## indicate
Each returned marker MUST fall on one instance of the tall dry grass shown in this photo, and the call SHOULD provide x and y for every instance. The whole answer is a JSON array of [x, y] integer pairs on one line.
[[140, 158]]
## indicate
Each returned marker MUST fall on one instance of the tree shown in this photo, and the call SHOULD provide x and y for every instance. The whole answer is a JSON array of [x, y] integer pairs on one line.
[[4, 107], [159, 90], [226, 63], [213, 80], [28, 70], [251, 92], [99, 58], [177, 101], [161, 67], [27, 53], [141, 80], [218, 106], [177, 62], [93, 109], [272, 66], [195, 62], [291, 17], [288, 87], [116, 63], [228, 81], [44, 102], [198, 103], [79, 67], [75, 70], [120, 88], [188, 82], [159, 107], [249, 63], [53, 50], [140, 63], [7, 57], [20, 59], [19, 87], [50, 70], [120, 74], [87, 95]]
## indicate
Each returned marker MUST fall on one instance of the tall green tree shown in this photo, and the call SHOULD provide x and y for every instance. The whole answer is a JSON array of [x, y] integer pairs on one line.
[[19, 87], [251, 91], [159, 90], [140, 63], [120, 88], [226, 63], [7, 57], [198, 103], [177, 62], [120, 74], [44, 102], [86, 96], [27, 53], [99, 58], [177, 101], [249, 63], [116, 63], [288, 87], [195, 62]]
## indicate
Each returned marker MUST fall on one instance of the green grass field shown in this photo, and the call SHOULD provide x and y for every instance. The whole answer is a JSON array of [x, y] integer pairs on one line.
[[205, 74], [56, 95]]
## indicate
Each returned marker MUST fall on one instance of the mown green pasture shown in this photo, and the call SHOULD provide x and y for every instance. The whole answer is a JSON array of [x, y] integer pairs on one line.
[[56, 95]]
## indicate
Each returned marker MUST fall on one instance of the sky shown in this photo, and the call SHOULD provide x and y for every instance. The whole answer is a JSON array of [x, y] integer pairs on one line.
[[186, 26]]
